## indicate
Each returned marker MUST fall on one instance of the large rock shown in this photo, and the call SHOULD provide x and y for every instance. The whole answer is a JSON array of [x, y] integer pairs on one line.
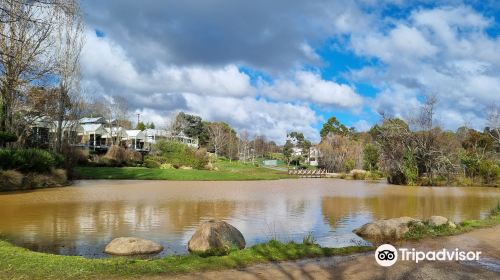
[[385, 230], [216, 236], [128, 246], [437, 221]]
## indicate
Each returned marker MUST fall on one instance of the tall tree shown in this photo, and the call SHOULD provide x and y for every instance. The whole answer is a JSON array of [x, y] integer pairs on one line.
[[68, 46], [219, 133], [335, 127], [25, 49]]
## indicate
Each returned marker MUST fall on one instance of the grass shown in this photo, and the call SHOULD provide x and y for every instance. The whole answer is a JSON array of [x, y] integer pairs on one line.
[[228, 171], [419, 231], [19, 263]]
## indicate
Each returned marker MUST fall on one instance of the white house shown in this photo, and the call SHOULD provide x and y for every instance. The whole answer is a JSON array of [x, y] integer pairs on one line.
[[92, 134], [135, 138]]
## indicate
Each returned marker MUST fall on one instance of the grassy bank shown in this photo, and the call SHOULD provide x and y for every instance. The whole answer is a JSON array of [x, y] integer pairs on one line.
[[19, 263], [227, 171], [419, 231]]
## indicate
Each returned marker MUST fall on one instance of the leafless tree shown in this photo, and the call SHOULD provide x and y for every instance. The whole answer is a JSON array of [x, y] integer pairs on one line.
[[494, 123], [218, 136], [68, 45], [25, 50]]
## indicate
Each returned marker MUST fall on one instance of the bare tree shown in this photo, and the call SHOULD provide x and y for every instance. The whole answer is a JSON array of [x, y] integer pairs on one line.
[[494, 123], [218, 136], [69, 42], [25, 49]]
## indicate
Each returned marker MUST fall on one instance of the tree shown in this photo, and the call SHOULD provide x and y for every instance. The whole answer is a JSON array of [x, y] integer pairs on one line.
[[335, 127], [140, 126], [288, 151], [26, 29], [218, 132], [68, 46], [371, 155]]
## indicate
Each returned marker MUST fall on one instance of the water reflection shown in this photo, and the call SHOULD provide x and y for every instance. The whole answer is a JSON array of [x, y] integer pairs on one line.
[[80, 220]]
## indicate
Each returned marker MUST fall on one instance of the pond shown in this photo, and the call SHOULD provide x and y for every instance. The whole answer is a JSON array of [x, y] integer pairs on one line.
[[83, 218]]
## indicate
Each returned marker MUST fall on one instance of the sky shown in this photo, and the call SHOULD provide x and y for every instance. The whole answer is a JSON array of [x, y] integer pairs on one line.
[[271, 67]]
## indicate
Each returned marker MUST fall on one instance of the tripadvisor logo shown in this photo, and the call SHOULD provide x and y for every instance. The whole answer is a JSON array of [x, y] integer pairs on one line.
[[387, 255]]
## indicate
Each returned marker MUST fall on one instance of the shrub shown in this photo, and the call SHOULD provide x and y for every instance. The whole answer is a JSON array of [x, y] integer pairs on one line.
[[133, 157], [178, 154], [6, 137], [116, 154], [59, 176], [7, 159], [489, 171], [149, 163], [166, 166], [349, 165], [10, 180], [35, 160], [359, 174]]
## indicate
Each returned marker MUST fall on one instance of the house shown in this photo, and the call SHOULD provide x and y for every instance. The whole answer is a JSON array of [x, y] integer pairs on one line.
[[92, 135], [115, 135], [314, 155], [72, 131], [135, 139]]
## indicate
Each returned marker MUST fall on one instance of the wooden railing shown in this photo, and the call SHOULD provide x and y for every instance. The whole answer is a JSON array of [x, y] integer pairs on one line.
[[308, 173]]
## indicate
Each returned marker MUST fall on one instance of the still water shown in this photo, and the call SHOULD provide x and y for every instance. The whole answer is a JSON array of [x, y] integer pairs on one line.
[[82, 219]]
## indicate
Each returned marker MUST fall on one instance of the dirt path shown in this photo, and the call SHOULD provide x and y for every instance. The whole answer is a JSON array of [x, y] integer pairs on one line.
[[363, 266]]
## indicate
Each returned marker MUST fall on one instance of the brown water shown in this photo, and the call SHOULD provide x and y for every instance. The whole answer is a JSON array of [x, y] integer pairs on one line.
[[82, 219]]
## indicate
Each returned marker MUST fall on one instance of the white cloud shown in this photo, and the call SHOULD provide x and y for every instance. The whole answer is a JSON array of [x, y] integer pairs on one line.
[[216, 93], [309, 86], [444, 52]]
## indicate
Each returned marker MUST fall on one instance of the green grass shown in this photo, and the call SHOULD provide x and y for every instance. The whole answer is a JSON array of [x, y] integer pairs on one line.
[[419, 231], [228, 171], [19, 263]]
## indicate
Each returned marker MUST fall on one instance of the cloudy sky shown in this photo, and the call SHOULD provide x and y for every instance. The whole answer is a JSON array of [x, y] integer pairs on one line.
[[270, 67]]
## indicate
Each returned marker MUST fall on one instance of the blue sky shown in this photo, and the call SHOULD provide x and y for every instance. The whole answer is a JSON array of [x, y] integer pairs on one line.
[[274, 67]]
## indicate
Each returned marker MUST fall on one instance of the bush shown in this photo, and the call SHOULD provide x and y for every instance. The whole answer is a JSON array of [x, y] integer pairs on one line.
[[178, 154], [359, 174], [489, 171], [59, 176], [133, 157], [149, 163], [116, 154], [6, 137], [29, 160], [10, 180]]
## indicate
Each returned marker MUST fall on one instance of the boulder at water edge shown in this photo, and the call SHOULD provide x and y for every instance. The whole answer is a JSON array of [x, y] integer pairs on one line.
[[216, 236], [128, 246], [436, 221], [385, 230]]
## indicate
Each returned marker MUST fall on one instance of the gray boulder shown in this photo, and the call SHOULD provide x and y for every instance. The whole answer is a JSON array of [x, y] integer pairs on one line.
[[128, 246], [386, 230], [215, 236], [437, 221]]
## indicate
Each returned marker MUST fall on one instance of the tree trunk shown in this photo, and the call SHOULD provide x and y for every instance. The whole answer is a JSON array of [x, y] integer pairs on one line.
[[60, 119]]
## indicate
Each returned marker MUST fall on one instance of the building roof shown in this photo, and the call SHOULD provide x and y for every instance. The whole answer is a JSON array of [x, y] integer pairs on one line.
[[92, 128], [135, 133], [97, 120]]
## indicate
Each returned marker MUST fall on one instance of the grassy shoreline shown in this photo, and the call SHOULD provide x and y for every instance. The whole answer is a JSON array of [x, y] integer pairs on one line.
[[225, 173], [20, 263]]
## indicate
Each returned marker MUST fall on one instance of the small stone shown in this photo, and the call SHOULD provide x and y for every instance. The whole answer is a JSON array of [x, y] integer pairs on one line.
[[437, 221]]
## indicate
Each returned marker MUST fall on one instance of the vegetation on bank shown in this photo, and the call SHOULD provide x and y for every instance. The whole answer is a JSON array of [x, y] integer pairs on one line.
[[19, 263], [226, 171], [22, 169], [423, 230]]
